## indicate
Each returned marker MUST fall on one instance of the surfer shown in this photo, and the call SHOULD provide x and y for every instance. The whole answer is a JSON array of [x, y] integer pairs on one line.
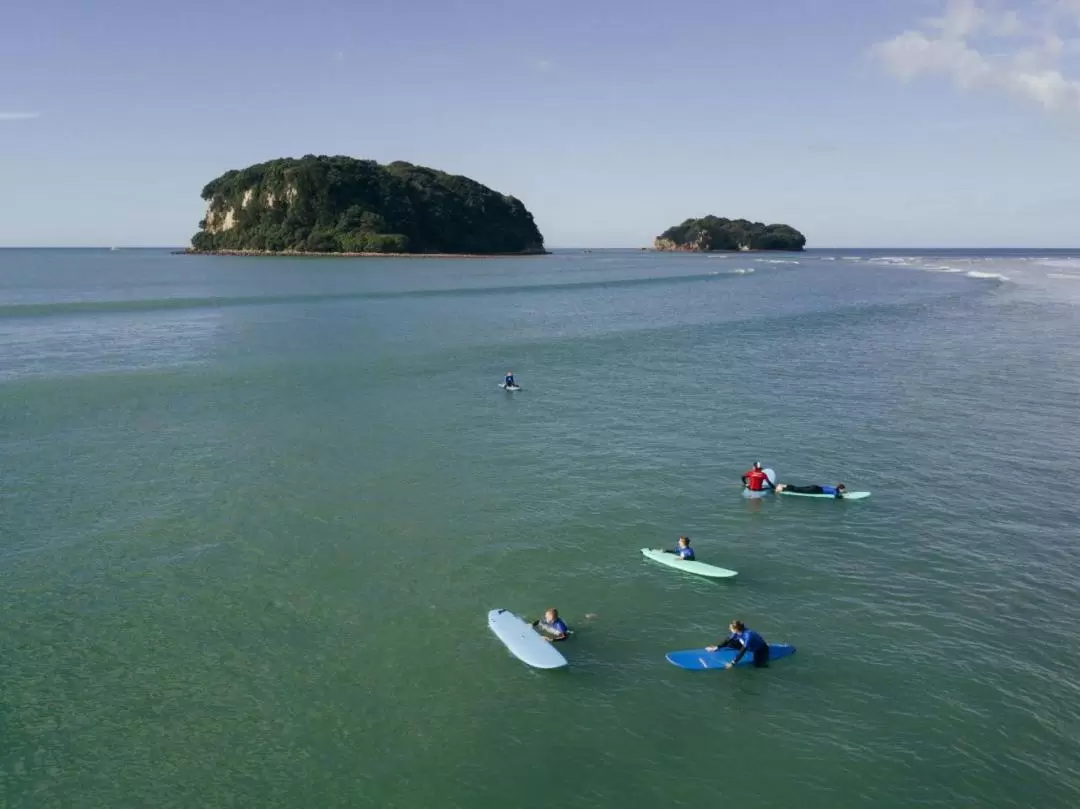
[[509, 381], [551, 626], [683, 550], [745, 640], [755, 479], [836, 491]]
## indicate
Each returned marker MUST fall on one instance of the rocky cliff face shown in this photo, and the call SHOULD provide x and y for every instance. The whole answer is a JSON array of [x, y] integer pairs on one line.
[[700, 244], [221, 213]]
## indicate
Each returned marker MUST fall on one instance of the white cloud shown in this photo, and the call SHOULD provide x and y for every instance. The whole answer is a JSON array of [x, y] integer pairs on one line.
[[543, 66], [980, 44], [19, 116]]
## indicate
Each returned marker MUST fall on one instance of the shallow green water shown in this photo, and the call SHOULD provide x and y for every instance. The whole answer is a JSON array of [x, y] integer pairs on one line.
[[255, 512]]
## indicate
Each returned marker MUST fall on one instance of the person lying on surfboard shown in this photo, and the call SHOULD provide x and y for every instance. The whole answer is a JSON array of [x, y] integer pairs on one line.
[[836, 491], [745, 640], [509, 381], [683, 549], [755, 479], [551, 626]]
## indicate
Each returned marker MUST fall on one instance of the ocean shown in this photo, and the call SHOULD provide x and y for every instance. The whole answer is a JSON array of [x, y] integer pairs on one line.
[[254, 512]]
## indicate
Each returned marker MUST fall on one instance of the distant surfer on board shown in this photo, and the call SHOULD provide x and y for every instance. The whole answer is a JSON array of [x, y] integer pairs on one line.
[[683, 550], [509, 381], [836, 491], [745, 640], [756, 480], [551, 626]]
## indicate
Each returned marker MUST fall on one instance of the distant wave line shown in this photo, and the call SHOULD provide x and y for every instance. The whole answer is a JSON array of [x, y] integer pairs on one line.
[[30, 310]]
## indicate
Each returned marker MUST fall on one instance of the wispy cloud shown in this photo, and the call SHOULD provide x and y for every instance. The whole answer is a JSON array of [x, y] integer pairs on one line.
[[19, 116], [543, 66], [986, 46]]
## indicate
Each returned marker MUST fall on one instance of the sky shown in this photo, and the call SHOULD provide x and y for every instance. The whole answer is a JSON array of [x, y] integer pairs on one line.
[[869, 123]]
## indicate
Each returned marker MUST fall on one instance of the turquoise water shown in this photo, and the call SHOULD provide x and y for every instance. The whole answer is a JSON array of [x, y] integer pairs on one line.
[[254, 513]]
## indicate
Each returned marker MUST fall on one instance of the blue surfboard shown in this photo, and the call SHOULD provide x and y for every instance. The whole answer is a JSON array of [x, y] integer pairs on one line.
[[700, 660]]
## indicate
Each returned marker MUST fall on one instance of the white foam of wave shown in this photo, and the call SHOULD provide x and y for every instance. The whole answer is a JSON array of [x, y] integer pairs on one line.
[[1065, 276], [775, 261], [941, 268], [996, 276], [743, 270], [1063, 263], [892, 260]]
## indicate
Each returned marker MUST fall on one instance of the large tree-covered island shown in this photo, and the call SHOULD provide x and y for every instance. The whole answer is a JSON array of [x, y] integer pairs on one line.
[[716, 233], [341, 205]]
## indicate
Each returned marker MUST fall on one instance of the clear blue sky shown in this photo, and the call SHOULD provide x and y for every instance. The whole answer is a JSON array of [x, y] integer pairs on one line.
[[861, 122]]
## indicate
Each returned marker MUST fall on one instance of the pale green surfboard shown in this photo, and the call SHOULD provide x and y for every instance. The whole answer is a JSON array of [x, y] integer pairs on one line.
[[700, 568], [847, 495]]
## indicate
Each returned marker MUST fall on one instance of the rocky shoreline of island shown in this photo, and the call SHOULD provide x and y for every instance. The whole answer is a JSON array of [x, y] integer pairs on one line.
[[313, 254]]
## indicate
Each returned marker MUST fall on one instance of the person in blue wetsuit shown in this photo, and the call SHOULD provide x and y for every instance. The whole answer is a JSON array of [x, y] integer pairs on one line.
[[745, 640], [683, 549], [836, 491], [551, 626], [509, 381]]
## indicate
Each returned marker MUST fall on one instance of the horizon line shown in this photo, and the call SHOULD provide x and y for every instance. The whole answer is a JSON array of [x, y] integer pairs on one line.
[[638, 248]]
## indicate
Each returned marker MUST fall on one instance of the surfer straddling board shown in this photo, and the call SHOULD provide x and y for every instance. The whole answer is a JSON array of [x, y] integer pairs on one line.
[[508, 382], [755, 479]]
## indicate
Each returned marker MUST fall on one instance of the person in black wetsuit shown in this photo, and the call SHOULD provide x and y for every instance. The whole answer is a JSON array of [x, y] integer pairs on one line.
[[836, 491]]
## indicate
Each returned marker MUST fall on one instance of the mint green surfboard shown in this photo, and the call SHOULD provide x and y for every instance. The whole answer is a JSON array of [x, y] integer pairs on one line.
[[847, 495], [700, 568]]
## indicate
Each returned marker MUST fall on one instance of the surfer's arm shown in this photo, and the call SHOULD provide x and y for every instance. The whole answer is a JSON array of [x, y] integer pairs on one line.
[[724, 644]]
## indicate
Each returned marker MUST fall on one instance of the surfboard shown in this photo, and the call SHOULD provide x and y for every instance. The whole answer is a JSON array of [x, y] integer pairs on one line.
[[510, 388], [700, 568], [523, 641], [700, 660], [771, 475], [847, 495]]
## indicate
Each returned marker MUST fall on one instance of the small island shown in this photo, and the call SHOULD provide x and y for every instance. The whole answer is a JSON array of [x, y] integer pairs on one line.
[[319, 205], [714, 233]]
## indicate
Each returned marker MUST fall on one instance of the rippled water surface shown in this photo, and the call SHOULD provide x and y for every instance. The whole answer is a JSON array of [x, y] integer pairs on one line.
[[254, 513]]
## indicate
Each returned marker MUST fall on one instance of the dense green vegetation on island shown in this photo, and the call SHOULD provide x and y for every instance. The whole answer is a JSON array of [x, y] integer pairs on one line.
[[338, 204], [717, 233]]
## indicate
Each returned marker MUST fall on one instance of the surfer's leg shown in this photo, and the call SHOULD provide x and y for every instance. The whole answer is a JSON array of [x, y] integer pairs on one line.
[[761, 657]]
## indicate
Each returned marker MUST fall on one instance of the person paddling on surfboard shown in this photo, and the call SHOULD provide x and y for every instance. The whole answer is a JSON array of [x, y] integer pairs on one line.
[[551, 626], [745, 640], [756, 480], [509, 381], [836, 491], [683, 550]]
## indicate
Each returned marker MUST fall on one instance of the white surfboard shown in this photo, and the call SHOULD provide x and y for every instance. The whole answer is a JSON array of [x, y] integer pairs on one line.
[[511, 388], [523, 641], [771, 475], [700, 568]]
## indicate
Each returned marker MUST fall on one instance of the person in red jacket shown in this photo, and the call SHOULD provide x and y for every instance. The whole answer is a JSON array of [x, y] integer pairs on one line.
[[756, 480]]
